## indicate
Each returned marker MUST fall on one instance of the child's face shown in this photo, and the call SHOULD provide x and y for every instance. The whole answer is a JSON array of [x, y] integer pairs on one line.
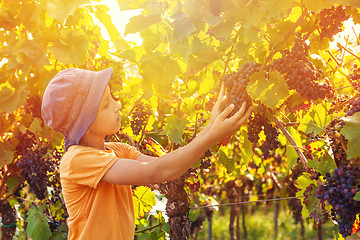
[[108, 119]]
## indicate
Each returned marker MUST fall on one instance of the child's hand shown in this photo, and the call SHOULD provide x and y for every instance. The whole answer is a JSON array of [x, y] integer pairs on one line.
[[219, 106], [221, 126]]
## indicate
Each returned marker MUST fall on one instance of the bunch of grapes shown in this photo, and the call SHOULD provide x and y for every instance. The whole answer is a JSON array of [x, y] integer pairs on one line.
[[206, 160], [290, 180], [236, 82], [300, 73], [339, 192], [33, 106], [271, 142], [259, 122], [331, 21], [140, 116], [336, 142], [354, 77], [36, 163], [354, 107], [256, 123]]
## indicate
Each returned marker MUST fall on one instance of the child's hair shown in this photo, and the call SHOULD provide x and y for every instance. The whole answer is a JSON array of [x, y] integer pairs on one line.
[[71, 100]]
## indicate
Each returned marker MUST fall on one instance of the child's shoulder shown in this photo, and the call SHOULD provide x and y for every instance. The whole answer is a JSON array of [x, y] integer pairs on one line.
[[118, 146]]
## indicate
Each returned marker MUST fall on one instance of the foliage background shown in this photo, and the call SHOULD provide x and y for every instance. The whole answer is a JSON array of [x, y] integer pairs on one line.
[[187, 47]]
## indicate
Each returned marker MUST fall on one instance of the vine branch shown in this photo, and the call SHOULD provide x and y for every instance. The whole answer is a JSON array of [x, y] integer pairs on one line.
[[288, 136]]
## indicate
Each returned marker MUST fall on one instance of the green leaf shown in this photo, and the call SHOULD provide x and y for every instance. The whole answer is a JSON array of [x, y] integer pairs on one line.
[[276, 8], [11, 98], [35, 126], [226, 161], [269, 91], [37, 224], [61, 9], [223, 30], [315, 207], [183, 26], [290, 151], [302, 183], [351, 131], [105, 18], [352, 3], [357, 196], [61, 233], [159, 71], [144, 200], [317, 6], [246, 149], [139, 23], [12, 182], [322, 164], [71, 48], [174, 128], [316, 119]]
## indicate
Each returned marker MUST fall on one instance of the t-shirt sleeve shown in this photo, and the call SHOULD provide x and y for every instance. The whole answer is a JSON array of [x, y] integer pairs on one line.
[[87, 166], [123, 150]]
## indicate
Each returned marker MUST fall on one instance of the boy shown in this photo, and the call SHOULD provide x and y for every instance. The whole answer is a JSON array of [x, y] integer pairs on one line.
[[96, 176]]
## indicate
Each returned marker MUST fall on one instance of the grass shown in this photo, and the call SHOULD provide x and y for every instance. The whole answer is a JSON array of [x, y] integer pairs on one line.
[[260, 226]]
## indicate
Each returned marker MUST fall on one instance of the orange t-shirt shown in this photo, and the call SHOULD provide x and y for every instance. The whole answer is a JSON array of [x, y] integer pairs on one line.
[[97, 210]]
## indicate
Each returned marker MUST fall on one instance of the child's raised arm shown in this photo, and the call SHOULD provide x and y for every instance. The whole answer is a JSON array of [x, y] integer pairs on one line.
[[149, 170]]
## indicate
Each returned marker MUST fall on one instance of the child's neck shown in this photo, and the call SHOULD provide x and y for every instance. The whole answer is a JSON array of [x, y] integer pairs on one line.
[[92, 142]]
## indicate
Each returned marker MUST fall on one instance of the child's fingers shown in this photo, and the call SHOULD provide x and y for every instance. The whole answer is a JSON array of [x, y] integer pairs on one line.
[[226, 111], [245, 116], [222, 91], [241, 111]]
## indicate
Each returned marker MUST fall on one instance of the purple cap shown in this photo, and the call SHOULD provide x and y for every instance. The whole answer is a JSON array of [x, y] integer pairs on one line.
[[71, 100]]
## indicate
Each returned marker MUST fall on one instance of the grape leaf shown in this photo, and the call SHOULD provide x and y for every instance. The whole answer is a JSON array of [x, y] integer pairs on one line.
[[321, 161], [183, 26], [105, 18], [351, 131], [322, 164], [61, 9], [11, 183], [276, 8], [316, 6], [10, 99], [226, 161], [71, 48], [269, 91], [159, 72], [316, 119], [353, 3], [357, 196], [61, 232], [140, 22], [7, 151], [37, 224], [144, 200], [302, 183], [246, 149], [290, 151], [174, 128], [223, 30], [35, 126], [314, 205]]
